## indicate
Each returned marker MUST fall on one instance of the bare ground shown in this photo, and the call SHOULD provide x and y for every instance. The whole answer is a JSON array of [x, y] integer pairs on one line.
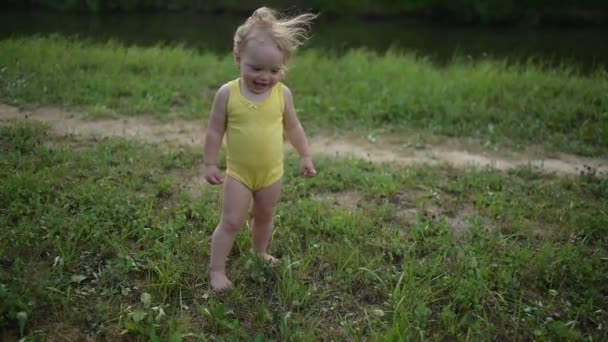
[[459, 153]]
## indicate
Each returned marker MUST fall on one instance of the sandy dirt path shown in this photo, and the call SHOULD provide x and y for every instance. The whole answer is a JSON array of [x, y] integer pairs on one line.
[[456, 152]]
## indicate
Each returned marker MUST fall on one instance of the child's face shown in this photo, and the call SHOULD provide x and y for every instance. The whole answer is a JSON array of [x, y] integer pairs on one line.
[[261, 64]]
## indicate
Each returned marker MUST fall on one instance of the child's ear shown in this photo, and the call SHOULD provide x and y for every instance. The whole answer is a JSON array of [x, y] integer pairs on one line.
[[237, 58]]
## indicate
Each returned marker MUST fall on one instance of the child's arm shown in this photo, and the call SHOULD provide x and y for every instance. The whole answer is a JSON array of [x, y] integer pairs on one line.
[[296, 135], [215, 133]]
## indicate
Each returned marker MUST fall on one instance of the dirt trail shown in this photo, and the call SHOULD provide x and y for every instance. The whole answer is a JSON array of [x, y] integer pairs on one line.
[[191, 132]]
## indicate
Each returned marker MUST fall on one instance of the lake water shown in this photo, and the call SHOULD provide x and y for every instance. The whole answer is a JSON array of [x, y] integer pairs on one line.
[[586, 48]]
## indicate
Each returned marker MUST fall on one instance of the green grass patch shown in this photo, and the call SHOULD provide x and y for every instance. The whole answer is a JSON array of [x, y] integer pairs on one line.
[[497, 101], [98, 238]]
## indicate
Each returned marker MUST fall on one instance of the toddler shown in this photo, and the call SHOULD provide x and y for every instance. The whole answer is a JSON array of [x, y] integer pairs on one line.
[[254, 111]]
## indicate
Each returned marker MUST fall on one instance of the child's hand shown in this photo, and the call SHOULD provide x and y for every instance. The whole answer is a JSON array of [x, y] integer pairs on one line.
[[212, 175], [307, 169]]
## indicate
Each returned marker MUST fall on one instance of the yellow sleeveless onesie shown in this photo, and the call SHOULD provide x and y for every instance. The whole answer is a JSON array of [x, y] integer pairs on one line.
[[254, 137]]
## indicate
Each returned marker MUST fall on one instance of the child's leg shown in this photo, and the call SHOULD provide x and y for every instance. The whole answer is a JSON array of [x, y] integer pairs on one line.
[[235, 205], [264, 203]]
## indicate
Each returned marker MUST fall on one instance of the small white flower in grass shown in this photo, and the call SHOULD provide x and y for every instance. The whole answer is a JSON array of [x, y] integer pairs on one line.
[[146, 298], [161, 313], [378, 312], [58, 261], [78, 278], [21, 319]]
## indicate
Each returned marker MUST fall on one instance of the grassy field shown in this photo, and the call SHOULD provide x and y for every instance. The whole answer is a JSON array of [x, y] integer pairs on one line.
[[99, 237], [110, 238], [495, 101]]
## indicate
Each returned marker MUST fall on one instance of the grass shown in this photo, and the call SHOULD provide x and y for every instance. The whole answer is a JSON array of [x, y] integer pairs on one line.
[[99, 238], [501, 102]]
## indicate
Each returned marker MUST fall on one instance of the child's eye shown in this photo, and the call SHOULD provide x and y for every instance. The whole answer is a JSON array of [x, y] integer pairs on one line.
[[274, 71], [256, 69]]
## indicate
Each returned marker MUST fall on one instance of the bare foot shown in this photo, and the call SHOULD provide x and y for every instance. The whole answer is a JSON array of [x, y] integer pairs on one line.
[[219, 281], [272, 261]]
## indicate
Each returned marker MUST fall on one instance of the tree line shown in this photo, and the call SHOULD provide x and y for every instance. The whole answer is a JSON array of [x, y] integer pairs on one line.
[[469, 11]]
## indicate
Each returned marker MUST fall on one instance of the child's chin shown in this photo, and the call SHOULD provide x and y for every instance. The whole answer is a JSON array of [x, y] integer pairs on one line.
[[259, 89]]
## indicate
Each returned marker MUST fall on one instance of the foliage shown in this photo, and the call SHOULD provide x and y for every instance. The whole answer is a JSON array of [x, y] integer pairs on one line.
[[95, 245], [497, 101], [484, 11]]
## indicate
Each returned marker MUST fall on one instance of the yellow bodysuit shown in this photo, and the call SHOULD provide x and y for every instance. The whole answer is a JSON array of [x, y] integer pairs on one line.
[[254, 137]]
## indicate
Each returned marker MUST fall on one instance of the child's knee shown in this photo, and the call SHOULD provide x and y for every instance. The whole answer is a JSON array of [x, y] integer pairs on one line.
[[231, 224]]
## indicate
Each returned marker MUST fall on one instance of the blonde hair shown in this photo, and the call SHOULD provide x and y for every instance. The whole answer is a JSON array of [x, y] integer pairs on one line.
[[287, 32]]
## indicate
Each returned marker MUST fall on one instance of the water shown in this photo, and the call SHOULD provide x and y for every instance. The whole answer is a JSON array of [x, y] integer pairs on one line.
[[586, 48]]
